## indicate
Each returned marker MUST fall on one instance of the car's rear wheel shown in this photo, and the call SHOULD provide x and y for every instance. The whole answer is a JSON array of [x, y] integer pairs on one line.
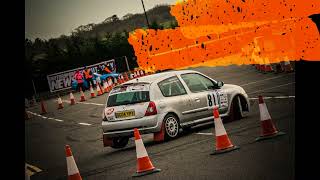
[[171, 126], [235, 109], [119, 142]]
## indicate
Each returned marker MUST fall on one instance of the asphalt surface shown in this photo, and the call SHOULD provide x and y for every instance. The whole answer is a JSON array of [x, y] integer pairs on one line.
[[187, 157]]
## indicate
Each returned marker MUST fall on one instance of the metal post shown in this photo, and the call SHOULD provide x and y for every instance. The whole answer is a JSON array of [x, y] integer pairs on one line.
[[145, 13], [125, 57]]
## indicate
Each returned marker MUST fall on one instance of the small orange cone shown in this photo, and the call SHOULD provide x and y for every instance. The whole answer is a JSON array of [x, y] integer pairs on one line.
[[82, 98], [102, 90], [287, 67], [92, 92], [60, 105], [223, 143], [258, 67], [142, 73], [268, 128], [144, 164], [278, 68], [43, 108], [73, 171], [126, 77], [105, 86], [268, 68], [99, 93], [72, 101]]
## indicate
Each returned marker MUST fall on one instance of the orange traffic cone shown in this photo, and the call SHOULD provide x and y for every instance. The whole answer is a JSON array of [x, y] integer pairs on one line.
[[278, 68], [73, 172], [287, 67], [43, 108], [268, 128], [92, 92], [60, 105], [126, 77], [144, 164], [101, 89], [223, 143], [72, 101], [105, 86], [141, 73], [82, 98], [268, 68], [99, 93], [258, 67]]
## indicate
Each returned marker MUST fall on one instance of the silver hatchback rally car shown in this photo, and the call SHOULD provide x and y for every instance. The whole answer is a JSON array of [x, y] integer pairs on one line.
[[167, 102]]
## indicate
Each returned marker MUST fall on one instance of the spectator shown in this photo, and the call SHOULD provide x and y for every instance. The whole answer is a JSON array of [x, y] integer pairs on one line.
[[106, 70], [88, 76], [99, 69], [79, 78]]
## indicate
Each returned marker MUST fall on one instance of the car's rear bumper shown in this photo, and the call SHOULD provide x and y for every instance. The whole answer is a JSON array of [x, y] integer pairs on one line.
[[146, 125]]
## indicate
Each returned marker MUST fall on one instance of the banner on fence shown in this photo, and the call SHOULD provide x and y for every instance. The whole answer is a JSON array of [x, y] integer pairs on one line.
[[62, 80]]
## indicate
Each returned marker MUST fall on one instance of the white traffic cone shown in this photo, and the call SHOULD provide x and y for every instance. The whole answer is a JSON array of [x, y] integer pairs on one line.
[[60, 105], [72, 101], [268, 128], [144, 164], [223, 143], [73, 171]]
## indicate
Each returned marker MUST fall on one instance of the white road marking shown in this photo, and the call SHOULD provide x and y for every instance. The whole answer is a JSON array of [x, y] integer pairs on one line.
[[85, 103], [271, 88], [262, 80], [86, 124], [34, 168], [58, 120], [275, 97], [207, 134]]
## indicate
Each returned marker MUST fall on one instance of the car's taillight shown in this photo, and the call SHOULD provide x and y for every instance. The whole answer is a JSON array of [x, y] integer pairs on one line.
[[151, 110]]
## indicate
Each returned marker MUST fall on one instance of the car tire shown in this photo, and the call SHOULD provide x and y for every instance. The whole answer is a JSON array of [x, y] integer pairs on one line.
[[119, 142], [171, 126], [235, 109]]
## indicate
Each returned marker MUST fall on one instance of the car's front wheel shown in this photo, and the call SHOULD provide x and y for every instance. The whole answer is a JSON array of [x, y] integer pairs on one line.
[[171, 126], [119, 142], [235, 109]]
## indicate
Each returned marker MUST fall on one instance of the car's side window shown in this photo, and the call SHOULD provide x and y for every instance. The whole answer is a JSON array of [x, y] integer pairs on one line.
[[171, 87], [197, 82]]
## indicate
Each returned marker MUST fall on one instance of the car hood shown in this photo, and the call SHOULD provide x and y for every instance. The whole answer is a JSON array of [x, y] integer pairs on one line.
[[230, 86]]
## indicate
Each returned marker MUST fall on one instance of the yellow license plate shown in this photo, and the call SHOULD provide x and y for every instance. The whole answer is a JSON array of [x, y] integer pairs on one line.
[[124, 114]]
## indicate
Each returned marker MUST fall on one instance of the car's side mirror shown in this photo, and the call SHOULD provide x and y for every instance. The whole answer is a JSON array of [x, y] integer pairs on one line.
[[220, 83]]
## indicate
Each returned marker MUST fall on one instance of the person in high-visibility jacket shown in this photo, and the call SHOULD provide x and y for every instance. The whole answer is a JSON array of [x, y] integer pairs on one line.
[[79, 78], [106, 70], [88, 75]]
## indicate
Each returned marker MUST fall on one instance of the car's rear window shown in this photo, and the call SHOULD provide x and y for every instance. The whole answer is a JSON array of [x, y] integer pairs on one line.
[[128, 98], [129, 95]]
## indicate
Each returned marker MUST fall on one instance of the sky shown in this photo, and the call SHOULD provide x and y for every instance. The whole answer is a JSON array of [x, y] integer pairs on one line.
[[47, 19]]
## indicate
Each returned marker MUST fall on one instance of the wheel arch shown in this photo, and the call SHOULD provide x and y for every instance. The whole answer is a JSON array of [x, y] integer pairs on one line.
[[245, 105]]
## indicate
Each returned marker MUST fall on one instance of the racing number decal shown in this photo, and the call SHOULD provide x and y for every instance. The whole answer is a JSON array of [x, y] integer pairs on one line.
[[209, 100], [213, 99], [217, 98]]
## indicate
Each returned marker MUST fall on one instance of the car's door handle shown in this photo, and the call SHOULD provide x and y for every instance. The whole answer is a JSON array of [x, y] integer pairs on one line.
[[197, 99]]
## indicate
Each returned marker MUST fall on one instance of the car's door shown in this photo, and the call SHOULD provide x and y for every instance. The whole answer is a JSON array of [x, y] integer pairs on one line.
[[203, 96], [175, 97]]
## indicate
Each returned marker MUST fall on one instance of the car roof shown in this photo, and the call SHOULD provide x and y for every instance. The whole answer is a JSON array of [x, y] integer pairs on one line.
[[159, 76]]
